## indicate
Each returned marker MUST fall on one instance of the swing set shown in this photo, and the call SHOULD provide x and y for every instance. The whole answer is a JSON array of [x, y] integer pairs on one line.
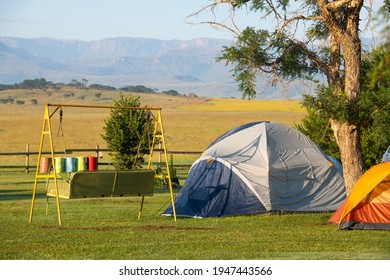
[[96, 183]]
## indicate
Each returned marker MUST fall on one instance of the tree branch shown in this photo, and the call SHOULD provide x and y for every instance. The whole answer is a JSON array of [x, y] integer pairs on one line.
[[330, 18], [336, 4], [211, 7], [298, 18], [215, 24], [313, 56]]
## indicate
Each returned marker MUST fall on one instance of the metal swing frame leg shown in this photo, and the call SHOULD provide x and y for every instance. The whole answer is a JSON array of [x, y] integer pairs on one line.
[[46, 130], [141, 207]]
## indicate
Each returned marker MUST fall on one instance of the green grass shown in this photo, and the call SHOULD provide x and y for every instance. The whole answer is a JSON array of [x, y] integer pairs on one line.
[[108, 229]]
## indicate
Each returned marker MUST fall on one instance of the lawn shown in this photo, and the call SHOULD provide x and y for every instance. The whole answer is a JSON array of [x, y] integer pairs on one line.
[[108, 229]]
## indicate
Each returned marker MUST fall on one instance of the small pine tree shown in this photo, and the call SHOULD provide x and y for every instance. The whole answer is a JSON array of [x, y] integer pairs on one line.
[[128, 133]]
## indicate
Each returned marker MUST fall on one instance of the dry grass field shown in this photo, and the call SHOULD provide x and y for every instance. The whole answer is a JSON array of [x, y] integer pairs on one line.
[[190, 124]]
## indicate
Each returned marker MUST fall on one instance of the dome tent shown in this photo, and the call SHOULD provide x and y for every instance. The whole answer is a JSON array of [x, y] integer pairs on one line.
[[368, 204], [257, 168]]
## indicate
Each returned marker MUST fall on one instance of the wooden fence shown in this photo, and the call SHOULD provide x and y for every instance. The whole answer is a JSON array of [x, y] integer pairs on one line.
[[28, 166]]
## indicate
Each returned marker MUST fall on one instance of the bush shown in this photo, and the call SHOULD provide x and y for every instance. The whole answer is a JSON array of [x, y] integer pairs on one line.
[[128, 133]]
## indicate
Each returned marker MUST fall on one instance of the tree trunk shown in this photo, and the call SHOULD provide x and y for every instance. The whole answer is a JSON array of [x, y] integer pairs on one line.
[[347, 137], [349, 140], [342, 19]]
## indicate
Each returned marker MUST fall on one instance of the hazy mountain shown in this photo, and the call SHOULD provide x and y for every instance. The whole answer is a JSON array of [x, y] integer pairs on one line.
[[183, 65]]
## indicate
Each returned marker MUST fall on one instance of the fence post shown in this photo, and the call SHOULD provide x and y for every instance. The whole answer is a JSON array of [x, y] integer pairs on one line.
[[97, 150], [97, 155], [27, 157], [159, 153]]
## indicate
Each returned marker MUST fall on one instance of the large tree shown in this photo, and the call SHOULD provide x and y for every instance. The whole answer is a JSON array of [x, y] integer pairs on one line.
[[310, 39]]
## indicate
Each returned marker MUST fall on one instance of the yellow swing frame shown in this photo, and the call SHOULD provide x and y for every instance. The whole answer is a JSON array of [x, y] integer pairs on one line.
[[47, 131]]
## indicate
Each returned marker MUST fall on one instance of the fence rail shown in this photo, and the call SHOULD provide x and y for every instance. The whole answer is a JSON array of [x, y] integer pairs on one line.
[[27, 153]]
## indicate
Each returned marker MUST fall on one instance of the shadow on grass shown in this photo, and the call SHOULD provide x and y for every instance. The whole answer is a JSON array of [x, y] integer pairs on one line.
[[145, 227], [17, 183], [18, 195]]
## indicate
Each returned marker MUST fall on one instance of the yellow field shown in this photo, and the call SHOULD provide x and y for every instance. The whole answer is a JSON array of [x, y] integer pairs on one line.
[[224, 104], [190, 124]]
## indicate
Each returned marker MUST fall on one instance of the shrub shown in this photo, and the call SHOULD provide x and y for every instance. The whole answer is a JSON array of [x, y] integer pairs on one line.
[[128, 133]]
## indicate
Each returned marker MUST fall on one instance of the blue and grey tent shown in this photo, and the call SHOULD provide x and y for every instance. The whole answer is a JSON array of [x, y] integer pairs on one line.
[[258, 168]]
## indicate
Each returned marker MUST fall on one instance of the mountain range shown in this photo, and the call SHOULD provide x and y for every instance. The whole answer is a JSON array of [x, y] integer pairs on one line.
[[187, 66]]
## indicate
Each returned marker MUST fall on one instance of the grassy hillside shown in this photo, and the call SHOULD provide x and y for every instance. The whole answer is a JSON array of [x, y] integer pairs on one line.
[[190, 123]]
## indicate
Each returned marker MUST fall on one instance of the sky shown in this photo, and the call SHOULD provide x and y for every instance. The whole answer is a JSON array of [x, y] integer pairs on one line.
[[90, 20], [98, 19]]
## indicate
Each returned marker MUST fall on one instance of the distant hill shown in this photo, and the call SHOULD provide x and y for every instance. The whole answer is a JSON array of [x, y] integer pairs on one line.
[[187, 66]]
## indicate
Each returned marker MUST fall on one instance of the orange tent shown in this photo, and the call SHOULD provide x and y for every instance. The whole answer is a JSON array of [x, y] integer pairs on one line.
[[368, 205]]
